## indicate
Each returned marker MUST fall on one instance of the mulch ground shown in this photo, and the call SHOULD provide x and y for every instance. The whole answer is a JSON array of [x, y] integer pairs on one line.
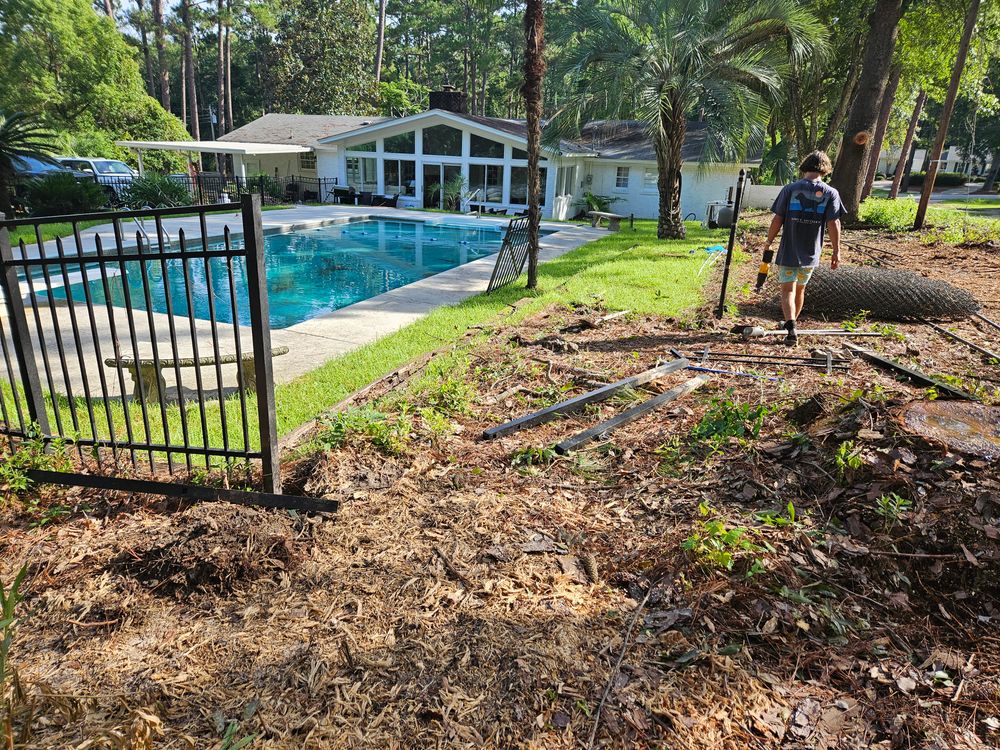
[[759, 564]]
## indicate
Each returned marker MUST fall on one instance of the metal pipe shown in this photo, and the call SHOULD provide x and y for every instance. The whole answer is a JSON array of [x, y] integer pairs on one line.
[[732, 242]]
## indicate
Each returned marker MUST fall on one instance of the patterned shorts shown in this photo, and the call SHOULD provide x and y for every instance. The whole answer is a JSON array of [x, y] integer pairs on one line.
[[793, 274]]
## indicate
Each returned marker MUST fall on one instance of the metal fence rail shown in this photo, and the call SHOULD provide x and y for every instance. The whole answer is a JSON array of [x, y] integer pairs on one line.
[[96, 326], [513, 253]]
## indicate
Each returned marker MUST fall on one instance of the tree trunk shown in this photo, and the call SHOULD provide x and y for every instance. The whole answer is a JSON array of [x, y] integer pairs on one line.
[[184, 100], [840, 112], [990, 183], [852, 158], [147, 59], [229, 67], [883, 124], [163, 71], [949, 107], [380, 41], [192, 91], [669, 144], [904, 154], [220, 68], [534, 72], [109, 8]]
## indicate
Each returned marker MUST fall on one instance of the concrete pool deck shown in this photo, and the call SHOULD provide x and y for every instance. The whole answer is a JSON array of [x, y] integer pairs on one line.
[[311, 343]]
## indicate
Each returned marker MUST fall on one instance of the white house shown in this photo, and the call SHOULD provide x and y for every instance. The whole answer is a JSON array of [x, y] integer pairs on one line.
[[413, 156]]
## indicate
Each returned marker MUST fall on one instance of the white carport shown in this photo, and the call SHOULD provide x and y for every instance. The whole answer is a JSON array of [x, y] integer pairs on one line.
[[236, 149]]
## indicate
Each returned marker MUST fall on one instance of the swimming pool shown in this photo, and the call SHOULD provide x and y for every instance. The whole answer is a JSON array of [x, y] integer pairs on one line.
[[310, 272]]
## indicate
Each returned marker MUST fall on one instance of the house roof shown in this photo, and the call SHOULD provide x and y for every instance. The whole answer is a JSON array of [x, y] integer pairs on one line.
[[300, 130], [241, 148], [629, 140], [519, 129], [626, 140]]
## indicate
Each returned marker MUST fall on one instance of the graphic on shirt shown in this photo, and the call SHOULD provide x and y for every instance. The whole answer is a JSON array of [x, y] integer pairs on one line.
[[802, 201]]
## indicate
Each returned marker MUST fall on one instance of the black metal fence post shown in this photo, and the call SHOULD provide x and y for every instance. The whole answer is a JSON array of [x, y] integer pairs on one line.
[[20, 336], [260, 325], [732, 241]]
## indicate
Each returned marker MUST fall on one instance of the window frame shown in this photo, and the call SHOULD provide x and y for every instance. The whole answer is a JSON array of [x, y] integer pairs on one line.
[[646, 187], [619, 187], [307, 156]]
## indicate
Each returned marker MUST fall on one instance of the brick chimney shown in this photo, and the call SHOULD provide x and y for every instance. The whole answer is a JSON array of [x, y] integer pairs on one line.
[[448, 98]]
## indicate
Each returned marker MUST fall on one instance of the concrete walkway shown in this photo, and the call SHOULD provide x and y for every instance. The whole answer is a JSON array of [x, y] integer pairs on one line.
[[311, 343]]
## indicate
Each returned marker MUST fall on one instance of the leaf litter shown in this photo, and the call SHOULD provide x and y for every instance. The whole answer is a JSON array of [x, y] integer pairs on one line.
[[810, 574]]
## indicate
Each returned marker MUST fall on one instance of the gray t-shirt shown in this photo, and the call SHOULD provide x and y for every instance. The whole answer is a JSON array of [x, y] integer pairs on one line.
[[806, 206]]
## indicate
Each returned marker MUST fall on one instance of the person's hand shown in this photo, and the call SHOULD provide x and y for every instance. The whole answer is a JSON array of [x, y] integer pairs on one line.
[[835, 261]]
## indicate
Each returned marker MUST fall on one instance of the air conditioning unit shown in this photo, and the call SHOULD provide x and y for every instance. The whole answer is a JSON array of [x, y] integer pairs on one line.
[[718, 214]]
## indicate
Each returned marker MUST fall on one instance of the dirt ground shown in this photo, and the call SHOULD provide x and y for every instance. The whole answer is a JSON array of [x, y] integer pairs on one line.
[[762, 563]]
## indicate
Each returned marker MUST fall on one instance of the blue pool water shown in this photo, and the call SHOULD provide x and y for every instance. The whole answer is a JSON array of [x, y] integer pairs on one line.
[[309, 272]]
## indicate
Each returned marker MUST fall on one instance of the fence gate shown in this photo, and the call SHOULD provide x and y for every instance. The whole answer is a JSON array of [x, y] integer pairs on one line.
[[513, 253], [141, 351]]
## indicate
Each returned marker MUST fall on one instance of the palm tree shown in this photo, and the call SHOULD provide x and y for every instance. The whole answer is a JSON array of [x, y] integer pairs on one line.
[[20, 135], [660, 61], [534, 73]]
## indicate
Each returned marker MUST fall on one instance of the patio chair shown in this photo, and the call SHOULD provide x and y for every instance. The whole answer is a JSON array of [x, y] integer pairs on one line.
[[365, 198], [390, 201]]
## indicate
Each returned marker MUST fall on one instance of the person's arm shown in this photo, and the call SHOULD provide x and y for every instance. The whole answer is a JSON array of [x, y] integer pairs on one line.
[[772, 231], [834, 228]]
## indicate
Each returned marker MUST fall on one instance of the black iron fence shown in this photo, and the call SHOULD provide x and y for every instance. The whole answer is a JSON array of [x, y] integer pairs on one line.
[[208, 188], [137, 346], [513, 253]]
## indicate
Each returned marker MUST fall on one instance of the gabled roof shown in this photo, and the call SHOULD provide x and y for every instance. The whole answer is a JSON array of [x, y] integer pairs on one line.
[[299, 130], [516, 129], [626, 140], [630, 140]]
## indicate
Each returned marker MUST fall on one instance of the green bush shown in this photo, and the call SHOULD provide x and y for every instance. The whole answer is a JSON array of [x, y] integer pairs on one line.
[[156, 191], [943, 179], [595, 202], [64, 194], [894, 215]]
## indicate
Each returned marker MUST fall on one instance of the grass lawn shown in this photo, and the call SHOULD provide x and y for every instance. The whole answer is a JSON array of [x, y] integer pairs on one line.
[[626, 270]]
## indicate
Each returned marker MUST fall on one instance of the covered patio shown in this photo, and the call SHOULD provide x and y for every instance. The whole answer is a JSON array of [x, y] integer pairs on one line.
[[275, 170]]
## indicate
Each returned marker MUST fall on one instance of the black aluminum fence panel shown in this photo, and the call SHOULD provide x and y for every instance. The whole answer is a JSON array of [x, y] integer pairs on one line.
[[208, 188], [140, 347], [513, 253]]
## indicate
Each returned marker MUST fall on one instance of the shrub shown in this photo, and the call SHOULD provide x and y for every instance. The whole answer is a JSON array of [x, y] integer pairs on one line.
[[894, 215], [156, 191], [595, 202], [64, 194], [943, 179]]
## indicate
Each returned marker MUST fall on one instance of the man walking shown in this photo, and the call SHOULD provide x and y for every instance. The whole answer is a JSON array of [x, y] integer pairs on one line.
[[806, 209]]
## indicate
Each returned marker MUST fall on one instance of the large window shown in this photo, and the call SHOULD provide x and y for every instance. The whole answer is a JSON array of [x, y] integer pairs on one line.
[[518, 153], [485, 148], [443, 140], [519, 184], [488, 180], [400, 144], [400, 177], [361, 173]]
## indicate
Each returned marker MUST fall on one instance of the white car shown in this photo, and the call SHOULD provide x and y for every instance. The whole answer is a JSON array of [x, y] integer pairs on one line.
[[116, 175]]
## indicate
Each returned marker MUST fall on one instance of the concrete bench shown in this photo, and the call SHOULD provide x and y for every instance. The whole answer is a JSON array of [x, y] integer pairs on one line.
[[150, 376], [614, 220]]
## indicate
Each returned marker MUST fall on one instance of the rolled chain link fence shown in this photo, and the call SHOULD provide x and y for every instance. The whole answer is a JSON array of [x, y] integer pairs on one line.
[[885, 294]]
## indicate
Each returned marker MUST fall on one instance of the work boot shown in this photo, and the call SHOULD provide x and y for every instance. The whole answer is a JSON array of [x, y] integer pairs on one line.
[[792, 337]]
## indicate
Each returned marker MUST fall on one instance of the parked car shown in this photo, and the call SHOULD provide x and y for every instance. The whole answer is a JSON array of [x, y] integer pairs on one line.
[[28, 168], [116, 175]]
